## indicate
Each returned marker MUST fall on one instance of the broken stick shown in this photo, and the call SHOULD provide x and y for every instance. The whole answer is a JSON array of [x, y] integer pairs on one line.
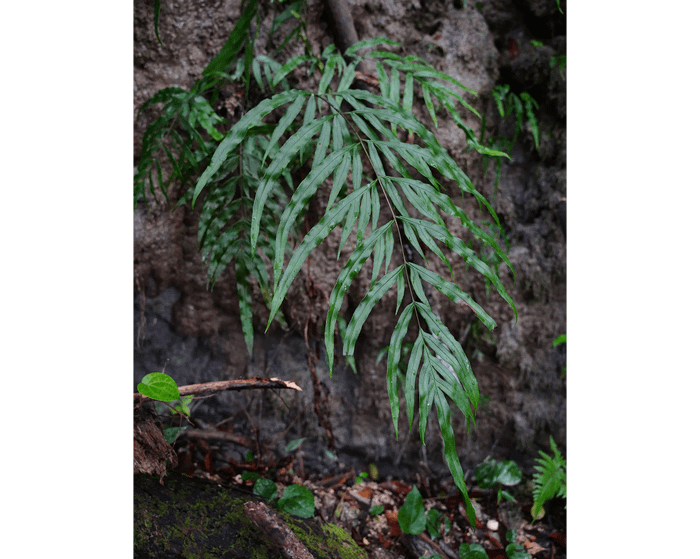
[[208, 388]]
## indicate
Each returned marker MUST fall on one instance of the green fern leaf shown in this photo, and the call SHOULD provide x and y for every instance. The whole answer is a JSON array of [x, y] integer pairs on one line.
[[393, 358], [549, 479], [312, 239], [288, 67], [411, 374], [458, 245], [294, 145], [368, 44], [284, 123], [458, 359], [300, 198], [327, 76], [239, 132], [363, 309], [443, 412], [455, 294], [341, 174], [426, 396], [349, 225], [240, 33], [245, 306], [378, 258], [347, 274], [429, 103]]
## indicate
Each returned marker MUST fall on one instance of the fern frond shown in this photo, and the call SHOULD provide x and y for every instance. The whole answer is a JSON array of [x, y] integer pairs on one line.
[[549, 478], [332, 135]]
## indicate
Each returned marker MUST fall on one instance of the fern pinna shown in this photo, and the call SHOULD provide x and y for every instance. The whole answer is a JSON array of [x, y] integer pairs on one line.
[[352, 137]]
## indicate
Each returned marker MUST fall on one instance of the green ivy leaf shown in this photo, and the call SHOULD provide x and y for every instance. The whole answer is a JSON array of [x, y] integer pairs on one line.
[[159, 386]]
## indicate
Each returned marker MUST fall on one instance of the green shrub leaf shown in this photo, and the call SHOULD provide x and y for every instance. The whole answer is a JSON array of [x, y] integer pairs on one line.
[[159, 386]]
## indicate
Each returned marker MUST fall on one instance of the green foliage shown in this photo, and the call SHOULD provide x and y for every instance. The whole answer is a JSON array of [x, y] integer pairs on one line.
[[491, 474], [296, 499], [507, 104], [438, 523], [476, 551], [162, 388], [159, 386], [254, 183], [414, 520], [549, 479], [472, 551], [513, 550], [266, 488], [411, 515]]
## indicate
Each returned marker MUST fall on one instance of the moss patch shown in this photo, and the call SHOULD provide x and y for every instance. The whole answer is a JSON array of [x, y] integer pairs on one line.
[[189, 517]]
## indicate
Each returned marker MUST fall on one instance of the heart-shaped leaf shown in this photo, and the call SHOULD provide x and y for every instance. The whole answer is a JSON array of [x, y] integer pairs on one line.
[[159, 386]]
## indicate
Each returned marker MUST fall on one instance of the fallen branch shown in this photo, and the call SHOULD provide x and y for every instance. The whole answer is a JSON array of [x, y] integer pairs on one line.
[[209, 388]]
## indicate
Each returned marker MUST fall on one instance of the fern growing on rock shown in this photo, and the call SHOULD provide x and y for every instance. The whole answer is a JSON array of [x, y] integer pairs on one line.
[[387, 194]]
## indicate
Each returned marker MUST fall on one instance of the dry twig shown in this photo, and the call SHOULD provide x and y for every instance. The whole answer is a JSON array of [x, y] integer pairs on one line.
[[208, 388]]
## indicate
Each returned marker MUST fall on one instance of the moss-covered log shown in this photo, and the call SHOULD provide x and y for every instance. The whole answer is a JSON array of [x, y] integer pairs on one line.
[[189, 517]]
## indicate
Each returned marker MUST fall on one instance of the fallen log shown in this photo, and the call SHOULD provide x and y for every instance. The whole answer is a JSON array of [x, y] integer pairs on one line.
[[192, 517]]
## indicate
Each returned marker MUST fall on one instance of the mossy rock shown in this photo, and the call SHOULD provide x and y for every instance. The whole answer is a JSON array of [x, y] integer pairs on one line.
[[190, 517]]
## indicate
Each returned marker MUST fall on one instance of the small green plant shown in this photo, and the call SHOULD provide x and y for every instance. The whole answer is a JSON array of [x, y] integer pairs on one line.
[[360, 478], [438, 523], [162, 388], [491, 474], [296, 499], [414, 520], [476, 551], [549, 479]]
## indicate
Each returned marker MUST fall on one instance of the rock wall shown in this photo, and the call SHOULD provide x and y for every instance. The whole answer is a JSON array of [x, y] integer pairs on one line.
[[196, 335]]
